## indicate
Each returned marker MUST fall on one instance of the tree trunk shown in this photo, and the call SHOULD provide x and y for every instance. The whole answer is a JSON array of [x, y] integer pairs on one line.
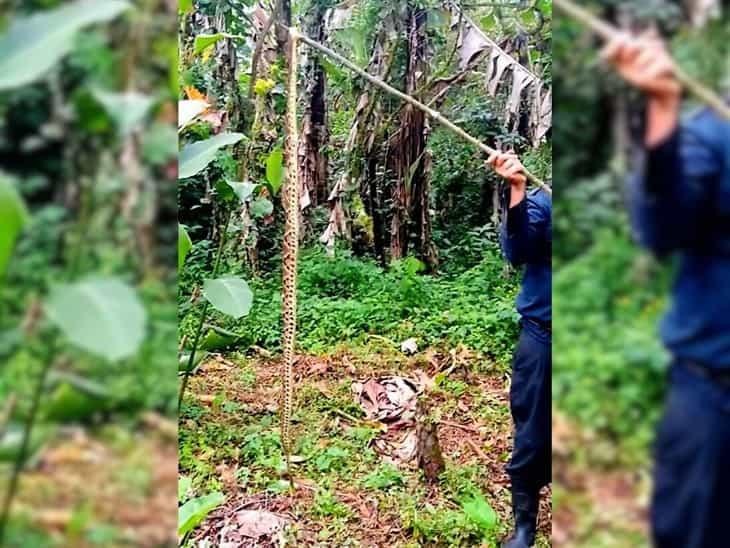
[[314, 137], [409, 159]]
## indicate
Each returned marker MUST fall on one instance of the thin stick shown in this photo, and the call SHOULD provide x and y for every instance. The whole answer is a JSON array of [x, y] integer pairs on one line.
[[608, 32], [408, 99]]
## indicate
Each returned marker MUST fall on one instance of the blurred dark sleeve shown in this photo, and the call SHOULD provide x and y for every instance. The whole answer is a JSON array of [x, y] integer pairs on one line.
[[670, 197]]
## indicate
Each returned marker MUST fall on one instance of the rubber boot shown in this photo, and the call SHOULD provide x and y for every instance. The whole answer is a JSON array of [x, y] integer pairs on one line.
[[525, 507]]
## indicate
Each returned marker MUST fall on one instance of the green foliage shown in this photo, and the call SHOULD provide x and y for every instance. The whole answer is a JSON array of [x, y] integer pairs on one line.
[[609, 366], [195, 510], [13, 216], [196, 156], [204, 41], [275, 169], [34, 44], [384, 477], [184, 244], [348, 299], [229, 295], [102, 316]]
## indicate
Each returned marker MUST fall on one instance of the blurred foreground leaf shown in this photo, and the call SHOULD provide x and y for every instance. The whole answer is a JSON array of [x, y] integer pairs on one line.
[[128, 110], [32, 45], [480, 512], [102, 316]]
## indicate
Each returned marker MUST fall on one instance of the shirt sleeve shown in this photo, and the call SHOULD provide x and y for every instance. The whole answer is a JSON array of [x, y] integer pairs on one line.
[[525, 233], [670, 198]]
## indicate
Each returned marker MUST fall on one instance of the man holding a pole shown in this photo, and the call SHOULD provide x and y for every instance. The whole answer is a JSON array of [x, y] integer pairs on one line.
[[680, 205], [526, 237]]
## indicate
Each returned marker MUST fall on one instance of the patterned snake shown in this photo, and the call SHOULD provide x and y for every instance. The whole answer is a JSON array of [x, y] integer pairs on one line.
[[290, 200]]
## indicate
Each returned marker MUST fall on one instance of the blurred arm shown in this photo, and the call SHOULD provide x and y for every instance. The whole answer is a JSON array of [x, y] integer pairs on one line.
[[670, 200]]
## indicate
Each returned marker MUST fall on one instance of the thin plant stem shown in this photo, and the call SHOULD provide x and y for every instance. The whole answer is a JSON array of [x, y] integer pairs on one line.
[[203, 314], [23, 450]]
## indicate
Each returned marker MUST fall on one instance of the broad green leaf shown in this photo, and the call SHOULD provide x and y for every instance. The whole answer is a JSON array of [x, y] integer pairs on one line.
[[103, 316], [261, 207], [188, 109], [184, 358], [34, 44], [193, 512], [275, 169], [203, 41], [184, 484], [185, 6], [67, 403], [184, 245], [215, 341], [229, 295], [480, 512], [196, 156], [128, 110], [242, 190], [13, 216]]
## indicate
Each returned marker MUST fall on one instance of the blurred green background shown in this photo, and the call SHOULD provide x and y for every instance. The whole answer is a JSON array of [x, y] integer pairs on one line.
[[88, 160], [608, 380]]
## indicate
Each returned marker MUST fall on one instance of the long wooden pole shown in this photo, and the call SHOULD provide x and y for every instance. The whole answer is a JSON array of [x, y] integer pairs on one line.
[[408, 99], [608, 32]]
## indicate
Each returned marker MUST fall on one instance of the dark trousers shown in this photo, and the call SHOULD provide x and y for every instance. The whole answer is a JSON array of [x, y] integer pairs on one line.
[[691, 501], [530, 395]]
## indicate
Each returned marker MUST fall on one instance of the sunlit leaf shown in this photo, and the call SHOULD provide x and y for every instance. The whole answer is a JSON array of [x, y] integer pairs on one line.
[[194, 511], [275, 169], [128, 110], [196, 156], [13, 216], [229, 295], [184, 244], [203, 41], [103, 316], [185, 6], [34, 44]]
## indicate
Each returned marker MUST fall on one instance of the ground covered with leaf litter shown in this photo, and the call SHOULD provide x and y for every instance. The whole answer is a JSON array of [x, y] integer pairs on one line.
[[110, 486], [346, 492]]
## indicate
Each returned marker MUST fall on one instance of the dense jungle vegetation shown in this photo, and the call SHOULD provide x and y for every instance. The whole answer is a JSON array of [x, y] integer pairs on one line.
[[399, 241], [87, 277], [609, 374]]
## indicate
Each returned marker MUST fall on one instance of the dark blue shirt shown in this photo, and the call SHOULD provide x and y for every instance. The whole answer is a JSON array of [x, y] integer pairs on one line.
[[681, 206], [526, 237]]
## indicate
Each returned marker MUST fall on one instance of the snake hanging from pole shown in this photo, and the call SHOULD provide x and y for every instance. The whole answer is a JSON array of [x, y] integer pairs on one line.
[[290, 251]]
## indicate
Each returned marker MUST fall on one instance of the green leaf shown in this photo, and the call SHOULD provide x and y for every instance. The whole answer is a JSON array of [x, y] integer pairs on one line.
[[204, 41], [34, 44], [13, 216], [196, 156], [480, 512], [103, 316], [243, 190], [193, 512], [261, 207], [275, 169], [128, 110], [185, 6], [184, 484], [184, 245], [229, 295]]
